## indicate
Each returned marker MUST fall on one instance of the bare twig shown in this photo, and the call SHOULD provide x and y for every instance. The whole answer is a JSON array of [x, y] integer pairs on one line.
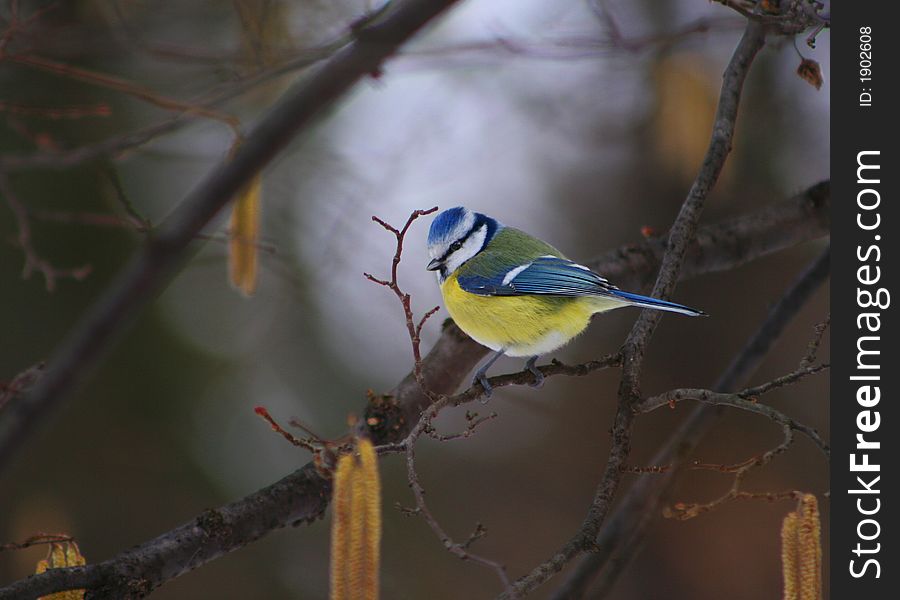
[[791, 17], [473, 421], [571, 47], [20, 383], [812, 349], [125, 87], [414, 329], [299, 442], [636, 44], [738, 400], [33, 261], [460, 550], [782, 381], [37, 539]]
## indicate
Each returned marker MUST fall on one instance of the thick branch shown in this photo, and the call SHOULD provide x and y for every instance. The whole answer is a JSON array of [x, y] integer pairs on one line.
[[728, 244], [297, 499], [165, 253]]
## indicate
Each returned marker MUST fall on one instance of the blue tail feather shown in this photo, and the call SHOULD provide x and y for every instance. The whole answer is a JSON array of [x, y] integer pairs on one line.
[[648, 302]]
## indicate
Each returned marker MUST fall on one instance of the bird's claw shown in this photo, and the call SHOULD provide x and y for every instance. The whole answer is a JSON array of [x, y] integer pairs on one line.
[[538, 376], [481, 379]]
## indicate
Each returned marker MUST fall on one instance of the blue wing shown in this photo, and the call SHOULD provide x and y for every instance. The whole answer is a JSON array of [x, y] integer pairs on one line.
[[549, 275], [545, 275]]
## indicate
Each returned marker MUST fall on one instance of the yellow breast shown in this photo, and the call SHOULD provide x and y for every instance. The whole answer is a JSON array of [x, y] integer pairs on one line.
[[520, 325]]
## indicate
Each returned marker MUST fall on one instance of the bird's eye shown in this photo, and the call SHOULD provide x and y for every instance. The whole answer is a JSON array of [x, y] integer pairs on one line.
[[455, 246]]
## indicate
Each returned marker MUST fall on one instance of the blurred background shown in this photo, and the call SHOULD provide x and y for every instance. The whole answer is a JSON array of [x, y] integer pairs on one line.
[[534, 112]]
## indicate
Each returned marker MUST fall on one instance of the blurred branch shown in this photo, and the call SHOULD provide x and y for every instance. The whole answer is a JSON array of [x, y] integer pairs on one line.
[[622, 536], [120, 85], [165, 252], [192, 108], [635, 44], [37, 539], [787, 17], [728, 244], [680, 238], [574, 47], [33, 260], [20, 383]]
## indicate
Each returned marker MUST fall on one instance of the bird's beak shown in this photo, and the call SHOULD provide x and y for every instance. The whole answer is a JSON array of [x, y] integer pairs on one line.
[[434, 265]]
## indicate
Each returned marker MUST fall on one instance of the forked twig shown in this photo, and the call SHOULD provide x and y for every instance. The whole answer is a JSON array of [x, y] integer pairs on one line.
[[437, 401]]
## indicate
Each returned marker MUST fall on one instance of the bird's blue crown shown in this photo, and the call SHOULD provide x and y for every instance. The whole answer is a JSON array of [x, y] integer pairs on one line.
[[455, 223], [446, 223]]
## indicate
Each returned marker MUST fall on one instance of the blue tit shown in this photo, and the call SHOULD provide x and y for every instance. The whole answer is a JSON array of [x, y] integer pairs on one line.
[[516, 294]]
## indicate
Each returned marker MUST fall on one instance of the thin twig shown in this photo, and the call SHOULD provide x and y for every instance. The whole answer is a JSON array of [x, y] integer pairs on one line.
[[33, 260], [20, 383], [460, 550], [37, 539], [812, 348], [738, 400], [412, 328]]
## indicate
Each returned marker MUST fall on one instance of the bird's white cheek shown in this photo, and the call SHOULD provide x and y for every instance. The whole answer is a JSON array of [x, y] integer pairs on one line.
[[470, 248]]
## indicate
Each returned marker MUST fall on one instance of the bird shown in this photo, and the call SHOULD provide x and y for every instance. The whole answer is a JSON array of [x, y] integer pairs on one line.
[[517, 294]]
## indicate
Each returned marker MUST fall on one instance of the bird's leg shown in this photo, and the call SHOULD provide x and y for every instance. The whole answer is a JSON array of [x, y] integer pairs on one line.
[[538, 376], [481, 378]]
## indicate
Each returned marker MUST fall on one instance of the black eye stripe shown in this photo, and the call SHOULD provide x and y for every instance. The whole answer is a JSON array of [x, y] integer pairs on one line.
[[460, 241]]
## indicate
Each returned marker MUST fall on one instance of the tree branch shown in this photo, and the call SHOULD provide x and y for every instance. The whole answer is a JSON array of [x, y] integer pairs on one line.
[[738, 400], [729, 244]]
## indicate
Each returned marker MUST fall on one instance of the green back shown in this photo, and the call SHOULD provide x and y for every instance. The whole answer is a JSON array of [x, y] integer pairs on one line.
[[509, 247]]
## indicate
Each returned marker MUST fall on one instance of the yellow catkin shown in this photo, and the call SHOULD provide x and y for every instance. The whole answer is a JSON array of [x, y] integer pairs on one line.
[[62, 554], [340, 533], [356, 555], [810, 549], [372, 508], [789, 555], [356, 527], [244, 235], [685, 94], [801, 551]]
